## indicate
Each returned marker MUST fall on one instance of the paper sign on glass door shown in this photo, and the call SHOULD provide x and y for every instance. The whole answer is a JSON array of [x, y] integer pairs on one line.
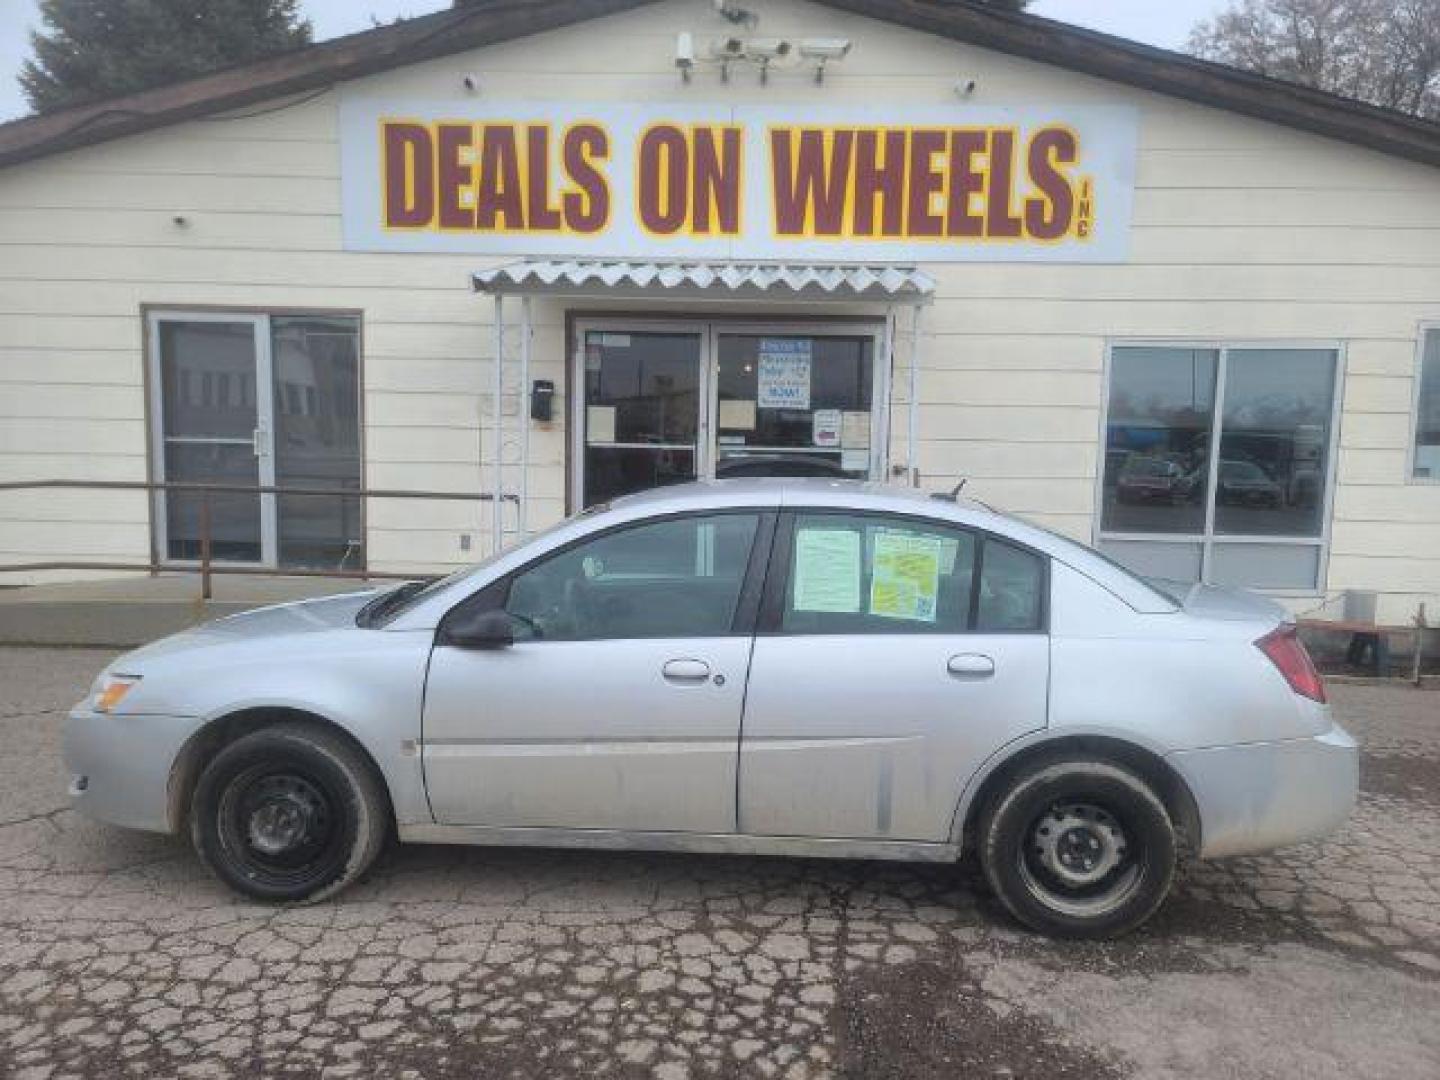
[[784, 373]]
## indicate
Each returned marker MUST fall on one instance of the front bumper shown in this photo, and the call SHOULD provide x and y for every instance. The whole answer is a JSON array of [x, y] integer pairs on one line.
[[1255, 797], [120, 765]]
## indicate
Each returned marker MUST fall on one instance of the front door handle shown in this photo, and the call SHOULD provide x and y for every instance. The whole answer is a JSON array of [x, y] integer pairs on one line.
[[971, 666], [686, 671]]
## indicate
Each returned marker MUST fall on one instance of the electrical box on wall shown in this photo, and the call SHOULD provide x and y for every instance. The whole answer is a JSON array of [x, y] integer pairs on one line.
[[542, 400]]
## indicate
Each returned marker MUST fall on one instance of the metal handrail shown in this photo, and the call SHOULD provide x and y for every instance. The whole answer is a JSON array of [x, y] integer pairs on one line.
[[205, 490]]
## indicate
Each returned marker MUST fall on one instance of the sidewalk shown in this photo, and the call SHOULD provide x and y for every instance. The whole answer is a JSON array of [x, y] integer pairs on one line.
[[132, 610]]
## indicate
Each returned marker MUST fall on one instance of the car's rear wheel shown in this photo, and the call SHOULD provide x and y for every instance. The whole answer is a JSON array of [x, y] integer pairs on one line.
[[1078, 848], [290, 813]]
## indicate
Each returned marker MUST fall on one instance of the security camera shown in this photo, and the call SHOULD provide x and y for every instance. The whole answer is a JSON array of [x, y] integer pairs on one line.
[[471, 82], [825, 48], [824, 51], [727, 48], [733, 13], [685, 54], [766, 48], [964, 87]]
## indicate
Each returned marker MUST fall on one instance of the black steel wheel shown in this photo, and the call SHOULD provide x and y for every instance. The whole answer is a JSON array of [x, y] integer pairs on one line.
[[291, 813], [1078, 848]]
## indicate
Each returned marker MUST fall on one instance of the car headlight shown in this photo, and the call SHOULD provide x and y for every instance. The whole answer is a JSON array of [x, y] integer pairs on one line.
[[110, 690]]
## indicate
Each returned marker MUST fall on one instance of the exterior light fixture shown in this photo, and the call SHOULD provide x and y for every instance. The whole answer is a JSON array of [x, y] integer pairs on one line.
[[824, 51]]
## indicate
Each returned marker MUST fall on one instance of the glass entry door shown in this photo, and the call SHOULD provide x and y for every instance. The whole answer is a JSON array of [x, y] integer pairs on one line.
[[255, 400], [665, 402], [641, 425]]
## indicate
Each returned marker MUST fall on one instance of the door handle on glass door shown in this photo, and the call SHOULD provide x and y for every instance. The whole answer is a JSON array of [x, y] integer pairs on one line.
[[971, 666], [686, 671]]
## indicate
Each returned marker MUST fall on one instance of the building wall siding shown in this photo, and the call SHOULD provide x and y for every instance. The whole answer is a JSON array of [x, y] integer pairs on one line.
[[1242, 231]]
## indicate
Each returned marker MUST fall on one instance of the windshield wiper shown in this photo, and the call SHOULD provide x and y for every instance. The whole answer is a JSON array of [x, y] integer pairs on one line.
[[386, 603]]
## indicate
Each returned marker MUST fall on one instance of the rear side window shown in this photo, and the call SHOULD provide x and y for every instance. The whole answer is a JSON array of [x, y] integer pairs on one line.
[[873, 574], [1012, 583], [860, 574]]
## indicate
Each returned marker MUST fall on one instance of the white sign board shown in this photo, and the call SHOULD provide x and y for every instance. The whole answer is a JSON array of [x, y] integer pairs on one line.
[[961, 183]]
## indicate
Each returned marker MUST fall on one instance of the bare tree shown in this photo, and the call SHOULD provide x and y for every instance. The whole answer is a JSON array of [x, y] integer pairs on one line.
[[1386, 52]]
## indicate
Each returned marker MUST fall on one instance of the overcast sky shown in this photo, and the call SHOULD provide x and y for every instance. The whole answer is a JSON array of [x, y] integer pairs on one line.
[[1158, 22]]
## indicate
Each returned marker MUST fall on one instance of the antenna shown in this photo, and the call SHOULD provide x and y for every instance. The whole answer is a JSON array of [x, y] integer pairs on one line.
[[953, 495]]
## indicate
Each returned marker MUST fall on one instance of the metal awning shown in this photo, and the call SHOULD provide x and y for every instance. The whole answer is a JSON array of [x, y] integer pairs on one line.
[[715, 280], [605, 279]]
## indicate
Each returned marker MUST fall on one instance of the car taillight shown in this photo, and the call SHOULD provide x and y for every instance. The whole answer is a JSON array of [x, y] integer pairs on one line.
[[1282, 645]]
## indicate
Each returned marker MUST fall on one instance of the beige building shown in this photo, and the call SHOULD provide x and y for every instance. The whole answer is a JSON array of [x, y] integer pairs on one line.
[[1186, 314]]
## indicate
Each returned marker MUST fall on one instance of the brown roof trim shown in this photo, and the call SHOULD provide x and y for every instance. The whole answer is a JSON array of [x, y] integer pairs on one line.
[[1174, 74], [428, 37], [315, 67]]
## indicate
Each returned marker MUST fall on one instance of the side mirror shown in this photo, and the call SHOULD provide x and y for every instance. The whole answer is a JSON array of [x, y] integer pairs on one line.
[[484, 630]]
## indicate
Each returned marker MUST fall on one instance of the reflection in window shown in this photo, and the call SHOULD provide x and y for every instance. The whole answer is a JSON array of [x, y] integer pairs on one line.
[[1169, 509], [1274, 442], [1427, 410], [677, 578], [1157, 439]]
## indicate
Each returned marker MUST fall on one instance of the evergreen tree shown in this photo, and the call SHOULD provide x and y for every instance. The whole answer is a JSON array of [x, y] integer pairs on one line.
[[94, 49]]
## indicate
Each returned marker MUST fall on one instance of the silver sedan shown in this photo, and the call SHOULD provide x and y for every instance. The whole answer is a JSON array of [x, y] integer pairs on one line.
[[801, 667]]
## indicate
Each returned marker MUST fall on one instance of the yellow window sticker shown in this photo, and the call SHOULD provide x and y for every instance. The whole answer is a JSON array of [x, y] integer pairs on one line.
[[905, 579]]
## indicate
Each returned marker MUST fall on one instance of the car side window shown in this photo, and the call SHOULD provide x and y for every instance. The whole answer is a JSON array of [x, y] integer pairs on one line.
[[872, 574], [678, 577], [1012, 584]]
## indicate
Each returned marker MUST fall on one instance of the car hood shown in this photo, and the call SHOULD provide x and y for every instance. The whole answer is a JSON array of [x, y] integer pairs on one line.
[[277, 620]]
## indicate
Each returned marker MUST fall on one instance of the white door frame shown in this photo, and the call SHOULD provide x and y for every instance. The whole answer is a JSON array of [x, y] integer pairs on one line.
[[709, 331], [262, 440]]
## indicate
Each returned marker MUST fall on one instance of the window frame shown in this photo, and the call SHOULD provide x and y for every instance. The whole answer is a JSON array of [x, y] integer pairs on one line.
[[494, 595], [1412, 445], [1207, 539], [770, 620]]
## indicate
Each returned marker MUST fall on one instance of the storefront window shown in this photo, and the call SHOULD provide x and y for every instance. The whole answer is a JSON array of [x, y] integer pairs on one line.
[[1426, 465], [252, 400], [1255, 516]]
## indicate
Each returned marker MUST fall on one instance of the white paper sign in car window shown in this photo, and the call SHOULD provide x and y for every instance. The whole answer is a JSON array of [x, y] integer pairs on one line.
[[827, 570]]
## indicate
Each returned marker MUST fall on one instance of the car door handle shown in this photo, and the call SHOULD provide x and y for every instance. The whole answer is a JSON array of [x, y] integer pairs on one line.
[[686, 671], [971, 666]]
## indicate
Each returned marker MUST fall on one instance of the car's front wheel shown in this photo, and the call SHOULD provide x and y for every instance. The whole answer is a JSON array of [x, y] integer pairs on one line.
[[290, 813], [1078, 848]]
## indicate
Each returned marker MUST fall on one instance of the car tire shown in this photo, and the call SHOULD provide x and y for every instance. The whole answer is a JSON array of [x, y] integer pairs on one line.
[[289, 814], [1078, 848]]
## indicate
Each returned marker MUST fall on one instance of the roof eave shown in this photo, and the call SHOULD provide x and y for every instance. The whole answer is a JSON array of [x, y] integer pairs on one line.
[[289, 74], [1164, 72]]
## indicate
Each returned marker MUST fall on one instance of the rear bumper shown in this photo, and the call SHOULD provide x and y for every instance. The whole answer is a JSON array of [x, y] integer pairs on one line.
[[1256, 797], [119, 766]]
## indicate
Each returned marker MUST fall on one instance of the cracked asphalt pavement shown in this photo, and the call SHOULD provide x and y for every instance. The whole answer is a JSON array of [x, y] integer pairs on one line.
[[120, 957]]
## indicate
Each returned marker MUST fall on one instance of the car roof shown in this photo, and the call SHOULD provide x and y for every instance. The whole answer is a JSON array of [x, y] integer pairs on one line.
[[798, 492], [788, 491]]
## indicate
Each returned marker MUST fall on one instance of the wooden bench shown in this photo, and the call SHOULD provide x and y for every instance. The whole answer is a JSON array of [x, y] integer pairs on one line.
[[1370, 642]]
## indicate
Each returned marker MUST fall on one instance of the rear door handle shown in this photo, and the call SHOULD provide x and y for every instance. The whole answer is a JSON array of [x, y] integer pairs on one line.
[[685, 671], [971, 666]]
